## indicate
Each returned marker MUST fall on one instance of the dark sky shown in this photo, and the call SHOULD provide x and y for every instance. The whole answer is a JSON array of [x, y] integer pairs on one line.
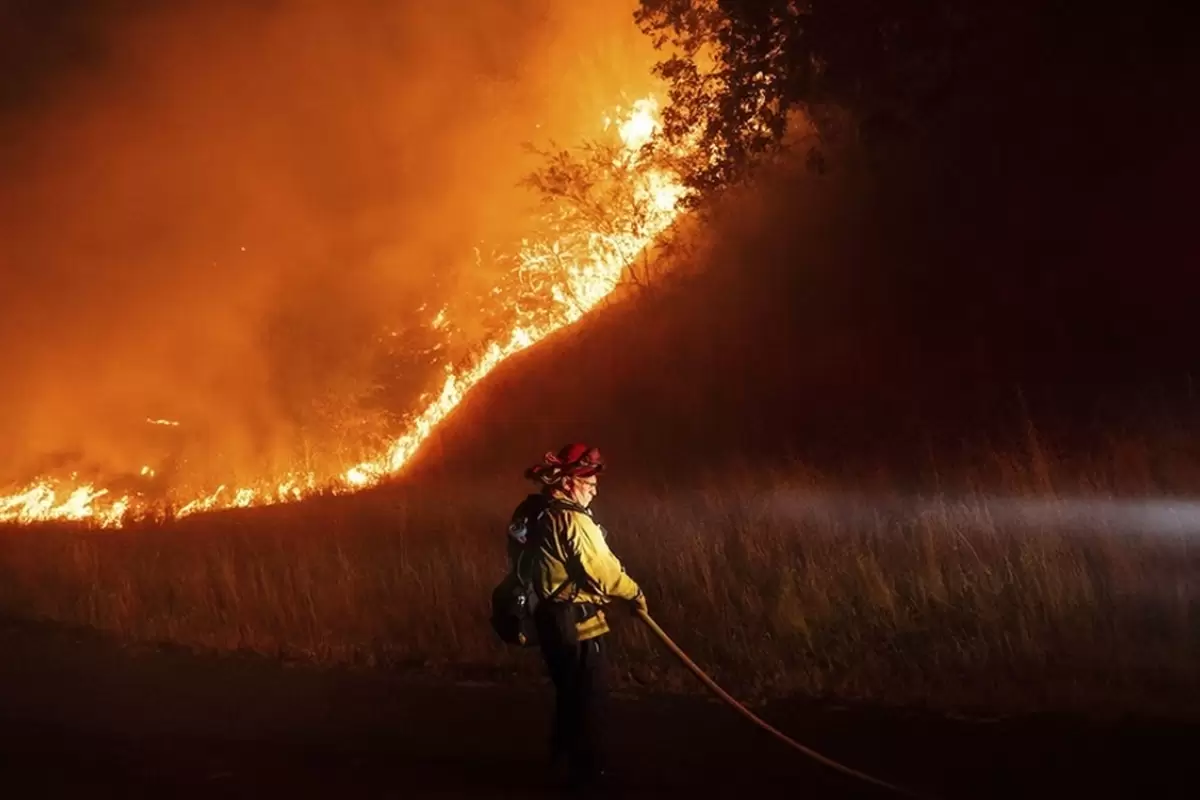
[[356, 149]]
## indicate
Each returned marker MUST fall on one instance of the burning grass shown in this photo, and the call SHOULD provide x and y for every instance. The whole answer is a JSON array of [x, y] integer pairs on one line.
[[781, 585], [606, 207]]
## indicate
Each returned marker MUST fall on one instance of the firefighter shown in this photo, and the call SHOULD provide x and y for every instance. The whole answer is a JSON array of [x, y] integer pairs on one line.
[[575, 574]]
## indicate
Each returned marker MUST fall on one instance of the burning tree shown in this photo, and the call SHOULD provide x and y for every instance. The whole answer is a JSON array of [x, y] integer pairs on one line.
[[604, 199]]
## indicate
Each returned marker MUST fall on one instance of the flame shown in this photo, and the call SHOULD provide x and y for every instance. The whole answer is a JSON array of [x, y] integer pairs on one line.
[[40, 501], [576, 275], [637, 129]]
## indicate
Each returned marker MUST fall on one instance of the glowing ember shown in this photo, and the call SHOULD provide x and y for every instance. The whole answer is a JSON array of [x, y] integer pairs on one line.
[[574, 275]]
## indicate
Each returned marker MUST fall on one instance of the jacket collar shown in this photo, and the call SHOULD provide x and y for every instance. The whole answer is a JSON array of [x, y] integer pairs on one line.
[[559, 496]]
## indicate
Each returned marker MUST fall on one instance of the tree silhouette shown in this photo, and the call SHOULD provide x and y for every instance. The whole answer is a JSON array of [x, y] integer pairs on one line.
[[740, 70]]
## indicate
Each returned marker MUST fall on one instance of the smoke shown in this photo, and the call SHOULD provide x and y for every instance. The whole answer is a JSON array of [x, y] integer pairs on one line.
[[213, 213], [980, 513]]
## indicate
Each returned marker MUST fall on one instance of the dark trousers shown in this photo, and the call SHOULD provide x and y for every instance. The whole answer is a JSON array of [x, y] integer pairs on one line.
[[578, 671]]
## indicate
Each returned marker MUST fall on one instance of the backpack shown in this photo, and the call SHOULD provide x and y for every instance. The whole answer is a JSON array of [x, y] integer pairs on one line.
[[514, 599]]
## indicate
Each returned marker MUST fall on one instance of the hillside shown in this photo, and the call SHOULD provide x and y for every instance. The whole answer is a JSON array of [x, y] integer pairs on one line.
[[904, 439], [847, 319], [940, 300]]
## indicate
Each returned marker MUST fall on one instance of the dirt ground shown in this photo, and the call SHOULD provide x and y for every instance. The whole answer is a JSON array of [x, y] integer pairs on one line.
[[80, 713]]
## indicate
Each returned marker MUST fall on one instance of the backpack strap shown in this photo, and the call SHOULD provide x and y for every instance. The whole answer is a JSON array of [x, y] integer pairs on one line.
[[528, 517]]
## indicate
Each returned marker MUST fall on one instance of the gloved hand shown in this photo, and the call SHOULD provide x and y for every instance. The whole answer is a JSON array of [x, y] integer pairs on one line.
[[638, 604]]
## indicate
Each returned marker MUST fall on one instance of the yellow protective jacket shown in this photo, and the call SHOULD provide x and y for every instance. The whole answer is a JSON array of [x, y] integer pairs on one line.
[[573, 554]]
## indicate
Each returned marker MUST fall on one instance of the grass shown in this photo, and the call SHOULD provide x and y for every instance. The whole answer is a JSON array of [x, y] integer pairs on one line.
[[781, 584]]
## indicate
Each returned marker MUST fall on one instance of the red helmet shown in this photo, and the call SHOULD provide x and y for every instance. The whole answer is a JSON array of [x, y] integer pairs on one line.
[[572, 461]]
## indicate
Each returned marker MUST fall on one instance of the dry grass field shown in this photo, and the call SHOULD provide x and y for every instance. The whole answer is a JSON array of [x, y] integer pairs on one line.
[[1048, 591]]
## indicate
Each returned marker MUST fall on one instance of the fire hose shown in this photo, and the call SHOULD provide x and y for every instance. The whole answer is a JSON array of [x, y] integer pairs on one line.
[[748, 714]]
